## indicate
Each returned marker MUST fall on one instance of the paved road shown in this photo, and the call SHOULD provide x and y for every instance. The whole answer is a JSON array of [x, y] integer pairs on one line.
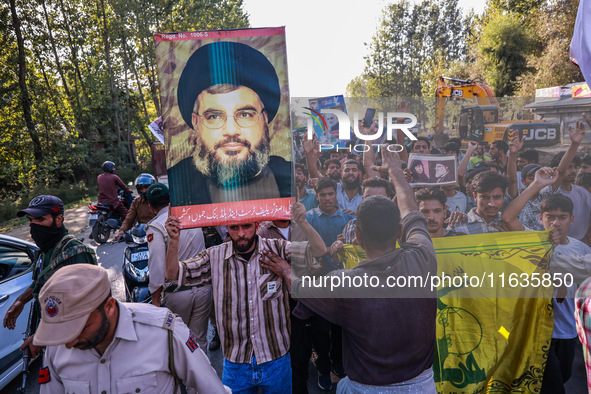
[[110, 256]]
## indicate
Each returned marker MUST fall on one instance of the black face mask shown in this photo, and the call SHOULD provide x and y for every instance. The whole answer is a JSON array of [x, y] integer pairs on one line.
[[46, 237]]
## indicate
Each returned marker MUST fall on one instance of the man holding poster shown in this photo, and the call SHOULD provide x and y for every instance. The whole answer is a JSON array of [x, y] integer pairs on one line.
[[231, 96]]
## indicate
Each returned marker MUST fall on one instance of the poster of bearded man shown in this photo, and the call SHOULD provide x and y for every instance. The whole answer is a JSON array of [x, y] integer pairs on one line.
[[226, 120]]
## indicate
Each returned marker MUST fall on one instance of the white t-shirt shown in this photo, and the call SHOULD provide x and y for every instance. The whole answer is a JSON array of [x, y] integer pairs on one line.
[[564, 312], [284, 231], [457, 202], [581, 199]]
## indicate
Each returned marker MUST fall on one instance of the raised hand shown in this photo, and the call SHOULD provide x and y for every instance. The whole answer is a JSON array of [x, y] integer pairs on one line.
[[516, 144], [390, 160], [408, 175], [173, 227], [403, 106], [472, 146], [546, 176], [577, 135], [308, 146], [298, 212]]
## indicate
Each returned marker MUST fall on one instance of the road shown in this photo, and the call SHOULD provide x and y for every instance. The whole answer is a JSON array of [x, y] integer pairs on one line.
[[110, 256]]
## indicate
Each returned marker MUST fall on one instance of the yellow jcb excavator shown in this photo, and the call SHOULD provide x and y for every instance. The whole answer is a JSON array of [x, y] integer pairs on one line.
[[481, 122]]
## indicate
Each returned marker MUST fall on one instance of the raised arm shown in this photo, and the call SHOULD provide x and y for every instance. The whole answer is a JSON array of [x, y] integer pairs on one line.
[[544, 176], [576, 136], [312, 152], [405, 196], [404, 106], [315, 242], [369, 157], [472, 146], [173, 228], [196, 269], [514, 148]]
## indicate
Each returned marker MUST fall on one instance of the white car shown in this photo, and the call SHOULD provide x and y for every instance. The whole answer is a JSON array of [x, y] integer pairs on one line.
[[17, 259]]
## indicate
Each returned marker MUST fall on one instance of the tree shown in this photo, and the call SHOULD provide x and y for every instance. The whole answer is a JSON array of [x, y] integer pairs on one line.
[[502, 51], [79, 79], [550, 63], [407, 38]]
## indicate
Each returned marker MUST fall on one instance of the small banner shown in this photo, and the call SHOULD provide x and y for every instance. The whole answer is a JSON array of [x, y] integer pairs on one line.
[[226, 122], [326, 125]]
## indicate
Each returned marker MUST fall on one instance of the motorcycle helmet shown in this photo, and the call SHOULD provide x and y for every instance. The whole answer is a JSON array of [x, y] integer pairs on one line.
[[143, 180], [109, 166]]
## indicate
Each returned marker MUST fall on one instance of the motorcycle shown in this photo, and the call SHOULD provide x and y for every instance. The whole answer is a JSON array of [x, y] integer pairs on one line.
[[103, 218], [135, 265]]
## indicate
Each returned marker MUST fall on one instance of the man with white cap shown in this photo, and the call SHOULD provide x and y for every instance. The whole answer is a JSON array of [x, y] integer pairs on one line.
[[96, 344]]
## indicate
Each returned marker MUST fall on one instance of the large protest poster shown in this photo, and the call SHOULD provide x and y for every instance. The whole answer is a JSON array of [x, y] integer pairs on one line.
[[493, 335], [226, 122]]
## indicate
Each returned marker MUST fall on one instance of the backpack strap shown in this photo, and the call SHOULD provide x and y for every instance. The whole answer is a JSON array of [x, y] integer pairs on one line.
[[61, 253]]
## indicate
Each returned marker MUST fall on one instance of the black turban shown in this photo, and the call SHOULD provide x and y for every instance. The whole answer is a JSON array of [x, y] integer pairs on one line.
[[228, 63]]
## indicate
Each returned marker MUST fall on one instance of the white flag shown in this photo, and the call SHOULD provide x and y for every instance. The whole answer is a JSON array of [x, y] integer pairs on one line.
[[580, 46]]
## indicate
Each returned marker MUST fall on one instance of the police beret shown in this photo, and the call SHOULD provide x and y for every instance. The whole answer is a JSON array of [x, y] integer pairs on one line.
[[228, 63]]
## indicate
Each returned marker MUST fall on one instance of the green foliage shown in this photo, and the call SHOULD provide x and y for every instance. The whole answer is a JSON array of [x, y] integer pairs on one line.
[[408, 37], [91, 78], [504, 45], [550, 63], [69, 193]]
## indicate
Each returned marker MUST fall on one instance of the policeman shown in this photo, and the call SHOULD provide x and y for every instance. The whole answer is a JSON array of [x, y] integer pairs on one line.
[[58, 249], [99, 345], [139, 210], [193, 304]]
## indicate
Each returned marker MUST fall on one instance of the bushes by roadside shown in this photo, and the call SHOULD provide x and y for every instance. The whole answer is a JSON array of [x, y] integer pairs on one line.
[[67, 192]]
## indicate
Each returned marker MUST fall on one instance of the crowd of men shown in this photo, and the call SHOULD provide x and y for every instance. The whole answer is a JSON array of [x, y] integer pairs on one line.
[[243, 285]]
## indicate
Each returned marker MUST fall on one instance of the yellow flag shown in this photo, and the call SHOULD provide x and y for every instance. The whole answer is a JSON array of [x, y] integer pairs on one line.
[[494, 320]]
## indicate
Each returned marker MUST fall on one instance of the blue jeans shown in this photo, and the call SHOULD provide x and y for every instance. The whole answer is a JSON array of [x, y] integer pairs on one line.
[[273, 377]]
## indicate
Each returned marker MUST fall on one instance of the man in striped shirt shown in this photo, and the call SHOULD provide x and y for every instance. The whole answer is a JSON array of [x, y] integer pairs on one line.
[[251, 305]]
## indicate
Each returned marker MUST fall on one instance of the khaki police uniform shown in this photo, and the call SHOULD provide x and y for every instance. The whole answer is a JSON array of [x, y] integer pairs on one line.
[[136, 361], [193, 304]]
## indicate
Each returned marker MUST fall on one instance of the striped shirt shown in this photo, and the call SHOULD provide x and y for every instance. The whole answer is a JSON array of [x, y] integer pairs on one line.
[[251, 303]]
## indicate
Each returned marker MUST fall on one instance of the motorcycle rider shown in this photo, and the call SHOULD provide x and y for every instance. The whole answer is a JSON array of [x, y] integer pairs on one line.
[[140, 209], [58, 249], [107, 188]]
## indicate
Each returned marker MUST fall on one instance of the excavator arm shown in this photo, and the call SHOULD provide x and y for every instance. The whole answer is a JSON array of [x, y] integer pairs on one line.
[[461, 88]]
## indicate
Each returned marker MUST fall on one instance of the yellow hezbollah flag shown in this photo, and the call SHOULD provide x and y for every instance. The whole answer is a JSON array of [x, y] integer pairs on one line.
[[494, 320]]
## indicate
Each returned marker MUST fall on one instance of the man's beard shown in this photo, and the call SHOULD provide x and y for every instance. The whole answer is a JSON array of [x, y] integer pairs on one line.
[[100, 335], [335, 176], [243, 248], [351, 184], [230, 172]]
